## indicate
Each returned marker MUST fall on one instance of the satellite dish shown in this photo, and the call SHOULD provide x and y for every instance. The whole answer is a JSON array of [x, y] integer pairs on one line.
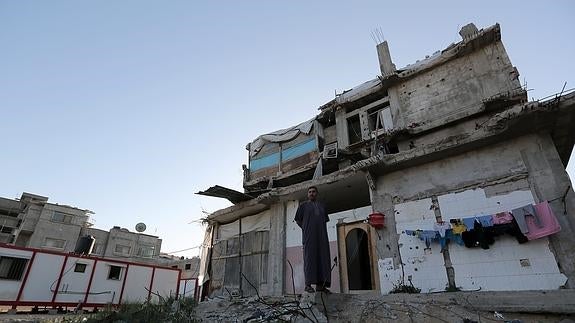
[[140, 227]]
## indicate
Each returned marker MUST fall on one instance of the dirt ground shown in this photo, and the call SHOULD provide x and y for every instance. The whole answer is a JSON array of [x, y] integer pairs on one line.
[[24, 316]]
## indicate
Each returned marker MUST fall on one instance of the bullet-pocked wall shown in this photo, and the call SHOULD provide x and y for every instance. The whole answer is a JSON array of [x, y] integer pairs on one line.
[[483, 181], [450, 90]]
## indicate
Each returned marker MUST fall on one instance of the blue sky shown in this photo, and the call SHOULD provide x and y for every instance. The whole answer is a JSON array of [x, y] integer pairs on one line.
[[128, 108]]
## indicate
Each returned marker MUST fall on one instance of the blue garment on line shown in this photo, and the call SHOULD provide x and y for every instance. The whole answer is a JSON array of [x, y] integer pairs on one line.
[[485, 220], [449, 235], [425, 235]]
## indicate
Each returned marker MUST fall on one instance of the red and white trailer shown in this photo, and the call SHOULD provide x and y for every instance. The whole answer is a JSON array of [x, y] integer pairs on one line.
[[35, 277], [189, 288]]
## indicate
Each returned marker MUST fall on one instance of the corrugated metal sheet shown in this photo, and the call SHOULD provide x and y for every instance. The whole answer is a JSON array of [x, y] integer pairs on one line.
[[227, 193]]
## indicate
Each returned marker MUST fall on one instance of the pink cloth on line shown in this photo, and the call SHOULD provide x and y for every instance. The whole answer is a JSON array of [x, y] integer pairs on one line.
[[549, 223], [502, 218]]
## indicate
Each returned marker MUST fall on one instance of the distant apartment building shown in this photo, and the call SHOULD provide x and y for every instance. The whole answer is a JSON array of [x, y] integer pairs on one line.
[[190, 267], [121, 243], [33, 222]]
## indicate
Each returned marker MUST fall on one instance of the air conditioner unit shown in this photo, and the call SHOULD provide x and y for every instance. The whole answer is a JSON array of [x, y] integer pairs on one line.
[[330, 150]]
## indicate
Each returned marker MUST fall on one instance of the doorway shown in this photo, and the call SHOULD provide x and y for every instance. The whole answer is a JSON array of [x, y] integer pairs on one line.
[[358, 265], [358, 261]]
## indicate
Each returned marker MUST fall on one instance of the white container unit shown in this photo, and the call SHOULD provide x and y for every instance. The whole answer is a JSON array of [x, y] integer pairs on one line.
[[189, 288], [33, 277]]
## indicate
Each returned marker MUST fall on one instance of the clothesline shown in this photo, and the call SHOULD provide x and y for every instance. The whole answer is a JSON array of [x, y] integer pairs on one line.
[[525, 223], [479, 209]]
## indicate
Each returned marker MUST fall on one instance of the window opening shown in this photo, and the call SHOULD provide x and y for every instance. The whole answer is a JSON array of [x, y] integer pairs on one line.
[[115, 272], [353, 129], [122, 249], [12, 268], [54, 243], [80, 268], [61, 217], [380, 118], [146, 251]]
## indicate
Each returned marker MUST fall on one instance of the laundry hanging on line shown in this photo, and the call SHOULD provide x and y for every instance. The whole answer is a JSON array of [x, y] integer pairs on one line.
[[535, 221]]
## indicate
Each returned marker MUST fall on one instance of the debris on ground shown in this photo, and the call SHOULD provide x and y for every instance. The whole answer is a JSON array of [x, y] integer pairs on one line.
[[321, 307]]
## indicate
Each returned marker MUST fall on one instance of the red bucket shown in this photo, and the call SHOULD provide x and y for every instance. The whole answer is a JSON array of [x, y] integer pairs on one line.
[[377, 220]]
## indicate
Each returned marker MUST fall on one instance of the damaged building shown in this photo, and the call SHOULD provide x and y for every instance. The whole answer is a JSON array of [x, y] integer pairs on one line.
[[425, 171]]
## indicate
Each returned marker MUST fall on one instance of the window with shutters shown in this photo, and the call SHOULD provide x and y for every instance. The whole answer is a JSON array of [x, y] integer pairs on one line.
[[12, 268]]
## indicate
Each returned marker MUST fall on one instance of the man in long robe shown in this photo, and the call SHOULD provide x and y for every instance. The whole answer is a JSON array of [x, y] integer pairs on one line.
[[311, 217]]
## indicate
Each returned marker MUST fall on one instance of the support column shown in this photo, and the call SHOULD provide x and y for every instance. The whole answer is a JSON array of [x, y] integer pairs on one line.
[[446, 258], [387, 67], [387, 243], [550, 182], [277, 247]]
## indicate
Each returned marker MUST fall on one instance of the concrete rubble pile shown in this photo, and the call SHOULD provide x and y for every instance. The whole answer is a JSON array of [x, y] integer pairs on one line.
[[516, 307]]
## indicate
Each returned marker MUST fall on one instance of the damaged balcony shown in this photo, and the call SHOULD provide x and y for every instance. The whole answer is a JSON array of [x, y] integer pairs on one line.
[[317, 147], [288, 156]]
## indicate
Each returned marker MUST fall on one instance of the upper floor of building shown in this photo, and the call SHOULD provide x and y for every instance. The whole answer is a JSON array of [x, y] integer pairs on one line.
[[390, 113]]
